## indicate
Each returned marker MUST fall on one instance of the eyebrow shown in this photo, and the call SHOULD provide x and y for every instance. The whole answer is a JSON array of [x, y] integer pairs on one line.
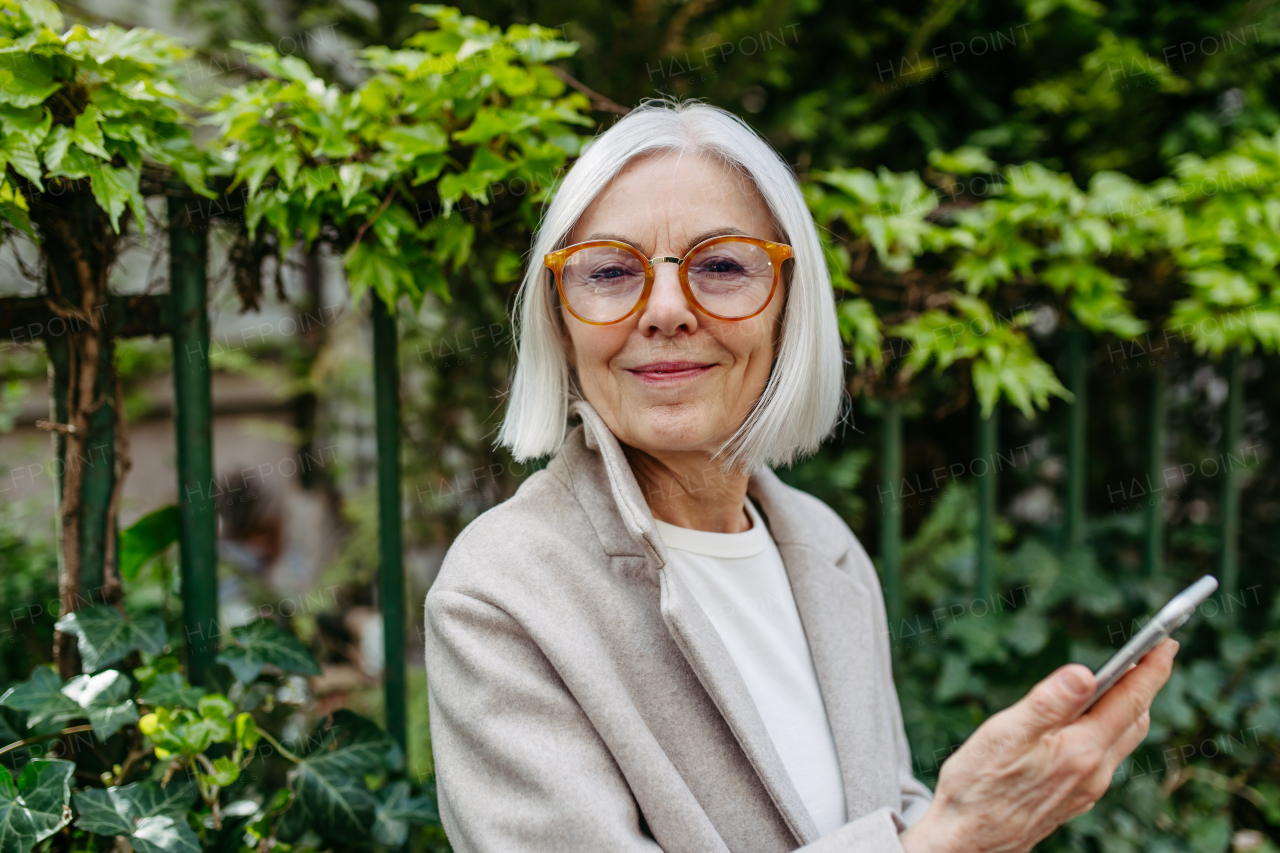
[[706, 235]]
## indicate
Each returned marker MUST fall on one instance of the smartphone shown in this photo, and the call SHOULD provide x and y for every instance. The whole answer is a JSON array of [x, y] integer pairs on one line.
[[1169, 619]]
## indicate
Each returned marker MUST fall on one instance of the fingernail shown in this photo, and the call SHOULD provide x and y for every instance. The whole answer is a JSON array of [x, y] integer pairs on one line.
[[1076, 682]]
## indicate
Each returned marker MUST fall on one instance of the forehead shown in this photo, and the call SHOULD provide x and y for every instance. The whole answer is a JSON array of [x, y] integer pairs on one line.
[[665, 196]]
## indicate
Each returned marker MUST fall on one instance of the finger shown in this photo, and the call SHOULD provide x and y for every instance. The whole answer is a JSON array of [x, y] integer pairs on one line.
[[1053, 702], [1128, 742], [1114, 713]]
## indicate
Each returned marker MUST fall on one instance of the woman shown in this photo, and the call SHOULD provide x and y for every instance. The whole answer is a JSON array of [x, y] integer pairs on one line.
[[655, 644]]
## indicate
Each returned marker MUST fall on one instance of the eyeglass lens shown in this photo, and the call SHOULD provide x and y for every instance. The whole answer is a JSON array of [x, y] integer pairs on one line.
[[729, 279]]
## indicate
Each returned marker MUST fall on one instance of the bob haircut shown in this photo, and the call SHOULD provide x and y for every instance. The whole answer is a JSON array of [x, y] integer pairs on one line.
[[805, 397]]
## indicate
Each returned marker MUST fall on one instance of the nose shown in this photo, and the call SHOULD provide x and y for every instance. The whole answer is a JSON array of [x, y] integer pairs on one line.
[[667, 310]]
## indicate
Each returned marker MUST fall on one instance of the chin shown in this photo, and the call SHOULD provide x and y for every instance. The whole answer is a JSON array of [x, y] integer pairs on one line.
[[684, 426]]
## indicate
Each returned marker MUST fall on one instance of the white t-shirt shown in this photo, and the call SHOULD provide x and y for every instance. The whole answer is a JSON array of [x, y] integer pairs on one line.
[[739, 581]]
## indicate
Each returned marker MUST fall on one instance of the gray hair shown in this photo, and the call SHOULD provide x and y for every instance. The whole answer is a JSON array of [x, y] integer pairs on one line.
[[805, 397]]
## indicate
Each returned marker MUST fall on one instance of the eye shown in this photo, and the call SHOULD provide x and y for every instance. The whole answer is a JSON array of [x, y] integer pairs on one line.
[[720, 266], [612, 271]]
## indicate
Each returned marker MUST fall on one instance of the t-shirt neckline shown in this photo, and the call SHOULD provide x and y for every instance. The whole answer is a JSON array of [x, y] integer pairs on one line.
[[745, 544]]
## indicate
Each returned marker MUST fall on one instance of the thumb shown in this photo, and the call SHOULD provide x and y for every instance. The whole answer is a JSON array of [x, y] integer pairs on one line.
[[1055, 701]]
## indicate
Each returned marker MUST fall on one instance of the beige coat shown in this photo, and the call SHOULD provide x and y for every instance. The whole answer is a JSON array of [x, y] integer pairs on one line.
[[581, 700]]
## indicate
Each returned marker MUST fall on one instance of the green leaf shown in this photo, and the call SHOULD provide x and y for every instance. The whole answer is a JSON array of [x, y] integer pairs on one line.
[[413, 140], [371, 266], [396, 810], [115, 188], [260, 643], [247, 733], [163, 834], [12, 730], [120, 810], [349, 177], [42, 697], [105, 636], [20, 153], [26, 79], [87, 132], [36, 807], [216, 705], [104, 698], [337, 803], [98, 812], [30, 123], [225, 771], [146, 538], [329, 787], [169, 690]]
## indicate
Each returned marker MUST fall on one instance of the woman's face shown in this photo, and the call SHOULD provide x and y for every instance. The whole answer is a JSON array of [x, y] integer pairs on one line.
[[664, 204]]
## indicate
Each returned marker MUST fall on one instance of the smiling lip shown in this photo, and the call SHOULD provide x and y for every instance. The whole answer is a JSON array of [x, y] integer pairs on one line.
[[662, 371]]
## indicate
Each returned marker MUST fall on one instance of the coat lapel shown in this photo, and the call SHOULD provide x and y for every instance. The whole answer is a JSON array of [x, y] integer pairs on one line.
[[710, 660], [834, 609], [838, 615]]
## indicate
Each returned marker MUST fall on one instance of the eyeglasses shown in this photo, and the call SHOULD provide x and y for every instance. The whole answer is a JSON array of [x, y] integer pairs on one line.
[[729, 278]]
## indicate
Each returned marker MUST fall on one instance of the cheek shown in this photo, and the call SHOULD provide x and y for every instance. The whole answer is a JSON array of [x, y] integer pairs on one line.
[[595, 348], [755, 340]]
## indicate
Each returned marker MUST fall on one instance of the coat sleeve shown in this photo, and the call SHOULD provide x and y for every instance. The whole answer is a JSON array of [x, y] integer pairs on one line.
[[519, 766]]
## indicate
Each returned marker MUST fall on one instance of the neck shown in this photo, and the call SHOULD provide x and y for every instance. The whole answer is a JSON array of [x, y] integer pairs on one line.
[[689, 490]]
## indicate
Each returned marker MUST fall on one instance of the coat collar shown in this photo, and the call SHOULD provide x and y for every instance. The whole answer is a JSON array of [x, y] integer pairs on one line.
[[610, 484], [836, 611]]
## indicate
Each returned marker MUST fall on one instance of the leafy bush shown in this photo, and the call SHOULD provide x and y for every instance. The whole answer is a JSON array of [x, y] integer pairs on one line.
[[185, 768], [1209, 765]]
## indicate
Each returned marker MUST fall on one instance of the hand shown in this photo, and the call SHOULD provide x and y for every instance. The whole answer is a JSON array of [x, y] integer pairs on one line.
[[1030, 768]]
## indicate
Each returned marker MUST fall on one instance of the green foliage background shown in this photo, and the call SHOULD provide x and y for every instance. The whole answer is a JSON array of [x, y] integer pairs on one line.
[[1088, 167]]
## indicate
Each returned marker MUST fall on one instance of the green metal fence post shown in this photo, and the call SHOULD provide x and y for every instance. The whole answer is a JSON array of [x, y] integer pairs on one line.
[[1154, 561], [386, 384], [193, 433], [891, 522], [988, 433], [1232, 426], [1077, 426]]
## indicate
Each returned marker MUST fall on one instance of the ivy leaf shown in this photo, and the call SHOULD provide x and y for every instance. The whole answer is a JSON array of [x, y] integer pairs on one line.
[[104, 698], [12, 730], [36, 807], [148, 536], [163, 834], [170, 690], [106, 637], [396, 810], [41, 697], [337, 803], [125, 810], [257, 644], [329, 783], [366, 748], [225, 771], [99, 814]]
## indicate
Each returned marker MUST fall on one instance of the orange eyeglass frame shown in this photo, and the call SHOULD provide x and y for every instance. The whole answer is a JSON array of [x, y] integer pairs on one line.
[[778, 252]]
